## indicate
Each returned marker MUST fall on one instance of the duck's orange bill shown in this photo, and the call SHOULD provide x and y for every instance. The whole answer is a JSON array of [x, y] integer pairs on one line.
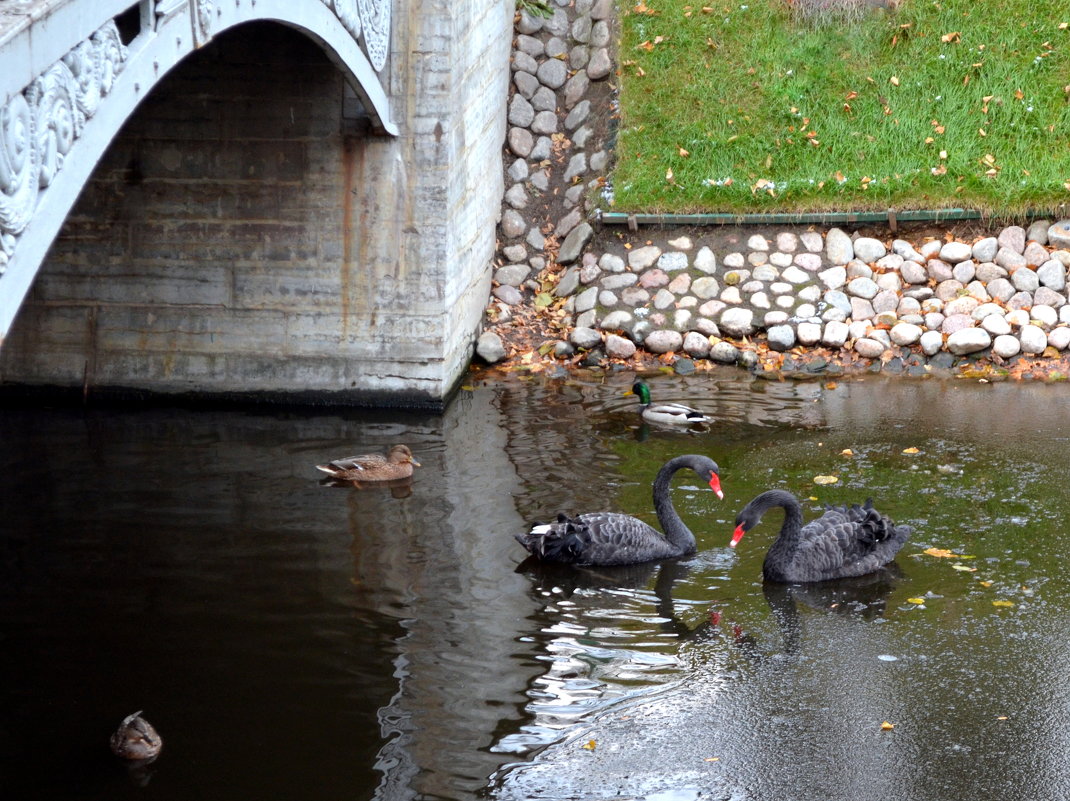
[[737, 535], [715, 485]]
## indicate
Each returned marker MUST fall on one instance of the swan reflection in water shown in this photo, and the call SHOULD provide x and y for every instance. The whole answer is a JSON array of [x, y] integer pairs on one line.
[[862, 597]]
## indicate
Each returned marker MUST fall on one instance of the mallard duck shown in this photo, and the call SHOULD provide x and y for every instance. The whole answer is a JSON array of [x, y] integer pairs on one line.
[[397, 463], [136, 739], [669, 413]]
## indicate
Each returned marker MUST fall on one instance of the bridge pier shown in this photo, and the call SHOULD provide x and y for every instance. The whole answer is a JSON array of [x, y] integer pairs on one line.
[[250, 232]]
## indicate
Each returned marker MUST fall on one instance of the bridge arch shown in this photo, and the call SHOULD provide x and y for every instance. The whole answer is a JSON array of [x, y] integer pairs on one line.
[[117, 53]]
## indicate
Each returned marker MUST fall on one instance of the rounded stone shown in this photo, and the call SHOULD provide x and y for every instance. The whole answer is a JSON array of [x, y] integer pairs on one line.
[[1033, 339], [996, 325], [737, 322], [931, 342], [1005, 346], [970, 340], [616, 321], [863, 288], [955, 252], [618, 347], [585, 338], [835, 334], [1025, 280], [781, 337], [985, 249], [839, 249], [490, 348], [809, 333], [696, 345], [869, 348], [1059, 338], [905, 334], [724, 352], [663, 340], [868, 249], [913, 272], [1046, 316], [1059, 234]]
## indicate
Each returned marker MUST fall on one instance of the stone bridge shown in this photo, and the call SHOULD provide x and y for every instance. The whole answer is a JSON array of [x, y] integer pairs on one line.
[[248, 196]]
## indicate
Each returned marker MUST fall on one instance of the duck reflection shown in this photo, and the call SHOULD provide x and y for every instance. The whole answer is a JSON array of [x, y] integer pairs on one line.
[[399, 487]]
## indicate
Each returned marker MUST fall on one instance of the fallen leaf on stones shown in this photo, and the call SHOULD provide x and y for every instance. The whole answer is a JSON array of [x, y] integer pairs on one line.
[[847, 452], [590, 745], [543, 299], [826, 479], [712, 759], [886, 726], [910, 450]]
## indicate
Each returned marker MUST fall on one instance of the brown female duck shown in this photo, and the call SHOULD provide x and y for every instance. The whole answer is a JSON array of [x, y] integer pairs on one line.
[[136, 739], [398, 463]]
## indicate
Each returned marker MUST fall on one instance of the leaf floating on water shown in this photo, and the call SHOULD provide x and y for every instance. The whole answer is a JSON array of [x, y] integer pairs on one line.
[[590, 745], [940, 553], [1003, 603], [911, 450], [918, 601], [886, 726], [826, 479]]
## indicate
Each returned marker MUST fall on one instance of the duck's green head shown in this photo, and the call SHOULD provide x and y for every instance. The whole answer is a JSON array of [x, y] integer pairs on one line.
[[643, 391]]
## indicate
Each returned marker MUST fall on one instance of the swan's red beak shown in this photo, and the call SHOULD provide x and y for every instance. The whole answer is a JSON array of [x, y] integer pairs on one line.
[[715, 485], [737, 535]]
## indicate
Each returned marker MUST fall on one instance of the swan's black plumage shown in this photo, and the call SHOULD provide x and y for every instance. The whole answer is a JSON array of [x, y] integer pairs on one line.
[[845, 541], [609, 538]]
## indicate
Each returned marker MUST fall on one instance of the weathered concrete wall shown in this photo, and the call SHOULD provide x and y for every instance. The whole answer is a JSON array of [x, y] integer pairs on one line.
[[241, 236]]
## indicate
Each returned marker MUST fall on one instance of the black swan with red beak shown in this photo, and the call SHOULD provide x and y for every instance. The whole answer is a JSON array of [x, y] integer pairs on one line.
[[609, 538], [844, 542]]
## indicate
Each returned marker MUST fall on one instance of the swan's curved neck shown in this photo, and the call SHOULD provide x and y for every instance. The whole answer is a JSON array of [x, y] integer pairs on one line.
[[678, 534], [793, 518]]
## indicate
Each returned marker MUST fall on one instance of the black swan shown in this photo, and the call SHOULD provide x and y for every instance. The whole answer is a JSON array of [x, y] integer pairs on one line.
[[675, 414], [846, 541], [609, 538]]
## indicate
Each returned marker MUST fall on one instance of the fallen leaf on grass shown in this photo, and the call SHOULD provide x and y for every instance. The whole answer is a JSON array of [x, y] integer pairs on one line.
[[826, 479], [911, 450], [919, 601]]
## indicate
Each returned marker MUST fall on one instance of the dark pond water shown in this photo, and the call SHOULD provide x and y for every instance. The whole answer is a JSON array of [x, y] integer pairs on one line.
[[292, 640]]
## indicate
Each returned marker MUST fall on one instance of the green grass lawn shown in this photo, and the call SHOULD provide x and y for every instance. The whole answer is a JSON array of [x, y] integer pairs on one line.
[[742, 106]]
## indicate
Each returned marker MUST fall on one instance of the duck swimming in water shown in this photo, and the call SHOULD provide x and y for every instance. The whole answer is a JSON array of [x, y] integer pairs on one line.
[[398, 463], [675, 414], [136, 739]]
